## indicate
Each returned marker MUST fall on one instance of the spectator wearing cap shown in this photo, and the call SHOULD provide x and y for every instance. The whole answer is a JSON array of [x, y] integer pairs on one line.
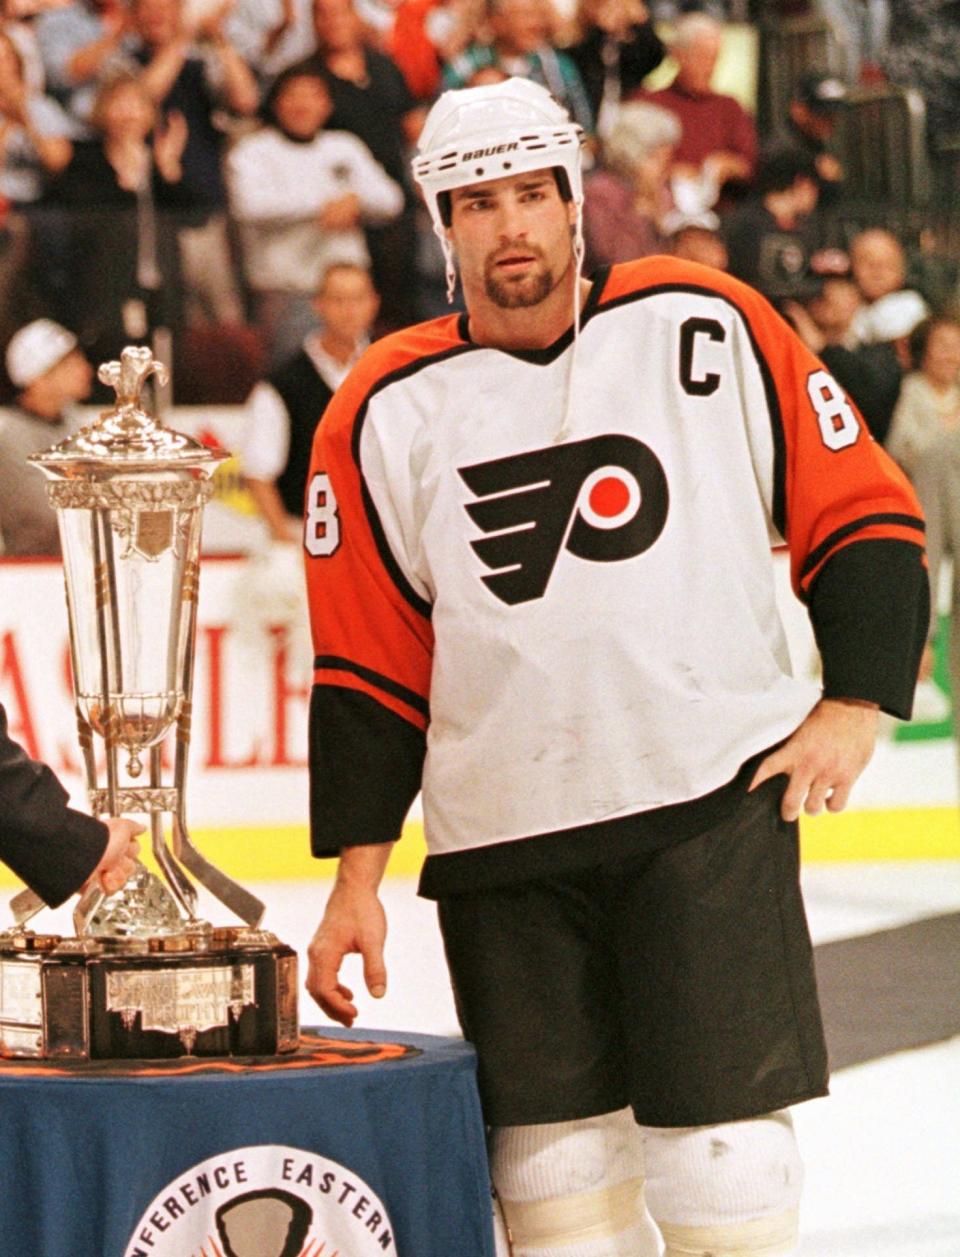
[[812, 118], [871, 374], [771, 239], [625, 202], [50, 375]]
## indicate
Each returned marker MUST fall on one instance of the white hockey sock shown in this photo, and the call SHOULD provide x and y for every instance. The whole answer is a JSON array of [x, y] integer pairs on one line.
[[729, 1190], [574, 1189]]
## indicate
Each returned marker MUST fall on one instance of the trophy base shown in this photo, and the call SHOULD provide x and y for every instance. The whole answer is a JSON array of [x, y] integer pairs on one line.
[[203, 993]]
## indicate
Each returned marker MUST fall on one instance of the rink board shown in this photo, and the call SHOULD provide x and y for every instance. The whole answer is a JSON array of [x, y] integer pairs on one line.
[[247, 789]]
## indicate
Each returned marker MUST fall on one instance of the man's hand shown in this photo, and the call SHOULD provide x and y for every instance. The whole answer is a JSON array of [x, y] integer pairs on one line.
[[354, 921], [805, 326], [169, 140], [824, 757], [116, 863], [341, 214]]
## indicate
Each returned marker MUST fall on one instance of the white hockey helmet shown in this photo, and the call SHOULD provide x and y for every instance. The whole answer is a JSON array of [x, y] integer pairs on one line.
[[473, 134]]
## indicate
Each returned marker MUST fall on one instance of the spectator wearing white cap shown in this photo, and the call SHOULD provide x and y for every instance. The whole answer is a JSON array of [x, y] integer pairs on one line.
[[51, 375]]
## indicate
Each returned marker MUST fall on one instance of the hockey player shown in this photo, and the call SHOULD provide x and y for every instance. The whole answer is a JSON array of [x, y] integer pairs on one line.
[[541, 587]]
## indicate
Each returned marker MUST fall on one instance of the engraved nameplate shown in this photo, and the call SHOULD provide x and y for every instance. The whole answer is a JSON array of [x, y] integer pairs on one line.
[[20, 1007], [20, 992], [172, 1000]]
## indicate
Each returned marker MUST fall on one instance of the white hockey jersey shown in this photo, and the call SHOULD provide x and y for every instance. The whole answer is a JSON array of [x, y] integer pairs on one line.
[[584, 627]]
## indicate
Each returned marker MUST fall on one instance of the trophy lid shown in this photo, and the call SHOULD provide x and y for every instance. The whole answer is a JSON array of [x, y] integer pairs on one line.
[[127, 438]]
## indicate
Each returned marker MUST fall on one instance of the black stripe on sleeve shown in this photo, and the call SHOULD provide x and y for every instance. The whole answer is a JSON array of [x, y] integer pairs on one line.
[[869, 606], [865, 521], [365, 769], [410, 697]]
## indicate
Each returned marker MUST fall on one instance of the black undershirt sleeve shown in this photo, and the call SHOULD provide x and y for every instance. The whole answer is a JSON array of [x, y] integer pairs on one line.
[[869, 606], [365, 769]]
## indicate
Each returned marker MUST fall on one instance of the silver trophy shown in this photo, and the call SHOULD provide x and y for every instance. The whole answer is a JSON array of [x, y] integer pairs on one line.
[[144, 975]]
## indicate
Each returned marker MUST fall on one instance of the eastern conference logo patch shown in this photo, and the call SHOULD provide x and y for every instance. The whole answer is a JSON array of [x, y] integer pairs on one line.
[[267, 1200], [602, 499]]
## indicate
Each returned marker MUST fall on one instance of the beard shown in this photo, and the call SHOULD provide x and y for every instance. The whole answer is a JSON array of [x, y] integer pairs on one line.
[[522, 291], [517, 294]]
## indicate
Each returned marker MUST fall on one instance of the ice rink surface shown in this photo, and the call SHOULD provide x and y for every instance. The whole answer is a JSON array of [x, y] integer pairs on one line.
[[882, 1153]]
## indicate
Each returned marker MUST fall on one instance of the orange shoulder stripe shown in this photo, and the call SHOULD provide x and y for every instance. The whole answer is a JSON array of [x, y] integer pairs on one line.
[[823, 487], [392, 353], [661, 269]]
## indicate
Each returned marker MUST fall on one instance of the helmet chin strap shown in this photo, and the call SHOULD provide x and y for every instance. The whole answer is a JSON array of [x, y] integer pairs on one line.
[[450, 269], [563, 431]]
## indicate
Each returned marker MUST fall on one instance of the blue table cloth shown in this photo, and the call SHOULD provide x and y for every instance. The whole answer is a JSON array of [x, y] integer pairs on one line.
[[386, 1157]]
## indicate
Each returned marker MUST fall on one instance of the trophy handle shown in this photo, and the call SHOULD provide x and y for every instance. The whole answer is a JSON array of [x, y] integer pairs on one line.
[[26, 904], [246, 906], [182, 888], [87, 906]]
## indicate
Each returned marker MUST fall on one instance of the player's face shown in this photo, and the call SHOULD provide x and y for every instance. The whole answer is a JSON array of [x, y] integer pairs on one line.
[[512, 238]]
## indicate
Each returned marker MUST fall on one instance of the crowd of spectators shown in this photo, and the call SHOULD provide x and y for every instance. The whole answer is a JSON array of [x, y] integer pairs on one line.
[[236, 172]]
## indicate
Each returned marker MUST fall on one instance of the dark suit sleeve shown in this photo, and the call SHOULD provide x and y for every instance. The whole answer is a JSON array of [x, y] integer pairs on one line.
[[52, 847]]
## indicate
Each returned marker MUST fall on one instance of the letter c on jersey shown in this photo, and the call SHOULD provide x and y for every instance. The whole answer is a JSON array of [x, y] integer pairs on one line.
[[603, 499], [705, 385]]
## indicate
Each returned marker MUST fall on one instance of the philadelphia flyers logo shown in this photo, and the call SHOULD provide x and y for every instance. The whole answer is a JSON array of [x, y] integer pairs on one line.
[[603, 499]]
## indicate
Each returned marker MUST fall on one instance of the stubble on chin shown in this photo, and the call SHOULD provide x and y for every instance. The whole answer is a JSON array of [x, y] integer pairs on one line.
[[518, 293]]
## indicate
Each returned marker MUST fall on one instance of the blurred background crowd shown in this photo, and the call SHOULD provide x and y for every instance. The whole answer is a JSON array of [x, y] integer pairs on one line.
[[228, 181]]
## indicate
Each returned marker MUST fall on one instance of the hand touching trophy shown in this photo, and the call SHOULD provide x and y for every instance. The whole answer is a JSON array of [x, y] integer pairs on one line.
[[144, 976]]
